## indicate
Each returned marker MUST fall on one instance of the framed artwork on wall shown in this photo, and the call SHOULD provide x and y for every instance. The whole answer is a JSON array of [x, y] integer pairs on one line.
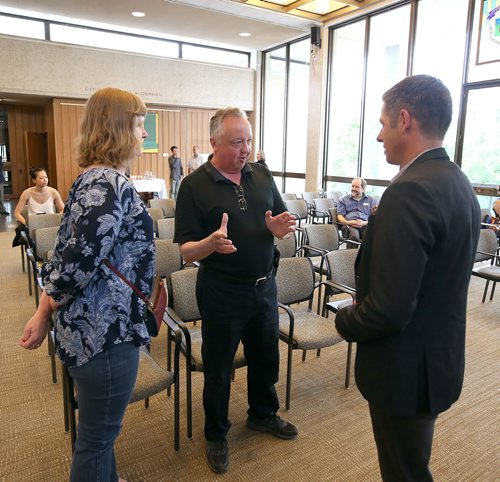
[[488, 43]]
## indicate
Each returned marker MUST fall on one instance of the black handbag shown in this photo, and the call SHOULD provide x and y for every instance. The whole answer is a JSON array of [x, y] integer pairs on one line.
[[156, 304]]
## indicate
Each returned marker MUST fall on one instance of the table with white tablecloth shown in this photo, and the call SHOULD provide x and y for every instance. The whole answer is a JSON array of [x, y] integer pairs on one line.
[[151, 185]]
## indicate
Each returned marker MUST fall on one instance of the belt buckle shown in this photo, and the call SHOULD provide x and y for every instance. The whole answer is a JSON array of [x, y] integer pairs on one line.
[[260, 281]]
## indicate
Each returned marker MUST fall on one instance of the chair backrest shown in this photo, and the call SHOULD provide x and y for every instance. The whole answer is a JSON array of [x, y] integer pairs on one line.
[[183, 284], [167, 205], [309, 196], [295, 280], [45, 239], [341, 266], [323, 236], [168, 257], [287, 247], [36, 221], [323, 204], [288, 196], [297, 207], [166, 228], [485, 214], [335, 195], [155, 213], [487, 244]]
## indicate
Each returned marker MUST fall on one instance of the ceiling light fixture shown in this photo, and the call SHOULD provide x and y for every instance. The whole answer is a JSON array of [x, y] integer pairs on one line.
[[138, 14], [245, 34]]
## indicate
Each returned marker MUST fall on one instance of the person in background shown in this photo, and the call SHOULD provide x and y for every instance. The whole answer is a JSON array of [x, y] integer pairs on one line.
[[176, 171], [353, 211], [412, 277], [196, 161], [261, 157], [98, 318], [3, 211], [227, 215], [40, 198]]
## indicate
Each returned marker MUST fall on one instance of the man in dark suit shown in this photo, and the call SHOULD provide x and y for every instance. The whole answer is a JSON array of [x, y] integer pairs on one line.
[[412, 277]]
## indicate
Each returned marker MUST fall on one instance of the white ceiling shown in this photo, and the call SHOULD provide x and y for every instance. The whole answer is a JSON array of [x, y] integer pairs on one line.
[[216, 21]]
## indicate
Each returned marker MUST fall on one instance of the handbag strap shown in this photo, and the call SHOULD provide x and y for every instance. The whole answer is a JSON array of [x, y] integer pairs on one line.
[[120, 275]]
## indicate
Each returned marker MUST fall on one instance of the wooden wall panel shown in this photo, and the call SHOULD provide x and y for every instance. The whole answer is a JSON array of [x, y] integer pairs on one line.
[[20, 120], [180, 127]]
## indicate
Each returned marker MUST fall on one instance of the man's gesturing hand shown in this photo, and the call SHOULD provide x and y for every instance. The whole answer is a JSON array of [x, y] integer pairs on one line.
[[219, 240], [281, 225]]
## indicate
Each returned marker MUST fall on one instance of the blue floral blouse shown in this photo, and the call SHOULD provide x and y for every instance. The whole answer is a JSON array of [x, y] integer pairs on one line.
[[103, 218]]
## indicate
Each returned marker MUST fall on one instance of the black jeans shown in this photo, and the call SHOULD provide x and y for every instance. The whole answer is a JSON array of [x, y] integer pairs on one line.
[[232, 312]]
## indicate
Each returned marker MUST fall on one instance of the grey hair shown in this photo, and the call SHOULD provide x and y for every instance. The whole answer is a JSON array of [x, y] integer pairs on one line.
[[216, 122]]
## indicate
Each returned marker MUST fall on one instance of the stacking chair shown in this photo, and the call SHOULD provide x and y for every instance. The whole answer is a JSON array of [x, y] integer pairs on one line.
[[299, 208], [168, 260], [35, 222], [309, 196], [183, 310], [45, 239], [342, 238], [487, 250], [300, 330], [321, 209], [156, 213], [319, 239], [287, 247], [288, 196], [166, 228], [151, 379], [167, 205], [335, 195]]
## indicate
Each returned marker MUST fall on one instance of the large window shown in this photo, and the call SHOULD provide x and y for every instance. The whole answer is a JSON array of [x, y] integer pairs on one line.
[[285, 103], [387, 59], [346, 91], [11, 24], [412, 37]]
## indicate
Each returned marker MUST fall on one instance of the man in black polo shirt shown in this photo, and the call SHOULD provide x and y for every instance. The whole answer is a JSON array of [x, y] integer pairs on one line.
[[226, 215]]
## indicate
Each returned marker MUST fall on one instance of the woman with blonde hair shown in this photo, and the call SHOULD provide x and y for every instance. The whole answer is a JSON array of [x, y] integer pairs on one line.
[[40, 198], [98, 319]]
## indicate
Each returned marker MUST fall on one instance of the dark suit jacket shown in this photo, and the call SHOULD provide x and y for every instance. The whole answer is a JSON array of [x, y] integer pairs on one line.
[[412, 277]]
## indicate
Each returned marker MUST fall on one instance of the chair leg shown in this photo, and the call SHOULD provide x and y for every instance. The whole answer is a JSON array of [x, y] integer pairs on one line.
[[189, 402], [493, 290], [30, 291], [485, 290], [65, 402], [304, 353], [348, 364], [288, 377], [23, 254], [70, 405], [52, 354], [146, 402]]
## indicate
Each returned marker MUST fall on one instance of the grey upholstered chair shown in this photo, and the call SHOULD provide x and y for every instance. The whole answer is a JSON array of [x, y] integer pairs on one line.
[[335, 195], [321, 209], [300, 329], [167, 205], [287, 247], [45, 239], [156, 213], [184, 310], [319, 239], [151, 379], [487, 250], [166, 228], [288, 196]]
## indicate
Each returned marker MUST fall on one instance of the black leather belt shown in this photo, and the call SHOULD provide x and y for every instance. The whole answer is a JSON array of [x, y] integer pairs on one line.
[[236, 279]]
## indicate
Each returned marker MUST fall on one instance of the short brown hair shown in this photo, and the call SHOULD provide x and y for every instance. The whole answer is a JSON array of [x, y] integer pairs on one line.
[[426, 98], [106, 131]]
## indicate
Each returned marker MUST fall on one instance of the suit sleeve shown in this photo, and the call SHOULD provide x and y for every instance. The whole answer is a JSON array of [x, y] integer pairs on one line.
[[404, 234]]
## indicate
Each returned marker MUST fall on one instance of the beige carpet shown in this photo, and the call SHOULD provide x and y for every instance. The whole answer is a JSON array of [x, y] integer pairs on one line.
[[335, 441]]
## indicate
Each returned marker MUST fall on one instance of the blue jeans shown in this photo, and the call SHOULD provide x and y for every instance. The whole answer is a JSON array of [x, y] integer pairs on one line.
[[174, 188], [104, 387]]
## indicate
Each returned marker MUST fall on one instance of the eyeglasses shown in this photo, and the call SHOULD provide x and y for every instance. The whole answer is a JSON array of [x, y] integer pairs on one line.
[[242, 202]]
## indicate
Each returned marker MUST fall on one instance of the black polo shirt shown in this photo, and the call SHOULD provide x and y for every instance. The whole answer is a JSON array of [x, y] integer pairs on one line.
[[206, 194]]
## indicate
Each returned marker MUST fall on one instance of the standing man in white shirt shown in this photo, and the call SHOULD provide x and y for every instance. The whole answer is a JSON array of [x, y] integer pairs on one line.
[[196, 161]]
